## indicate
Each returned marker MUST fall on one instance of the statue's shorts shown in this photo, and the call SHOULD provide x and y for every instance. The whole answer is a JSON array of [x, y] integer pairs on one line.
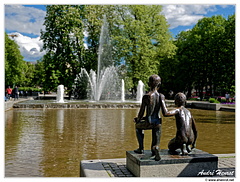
[[146, 125]]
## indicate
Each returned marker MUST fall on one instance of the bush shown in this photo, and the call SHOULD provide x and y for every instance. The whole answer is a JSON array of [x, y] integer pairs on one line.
[[30, 89], [212, 100], [223, 100], [195, 98]]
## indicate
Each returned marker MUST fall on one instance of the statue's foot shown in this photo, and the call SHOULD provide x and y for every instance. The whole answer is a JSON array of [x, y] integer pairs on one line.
[[153, 153], [139, 151], [184, 152], [157, 155], [189, 149], [184, 149]]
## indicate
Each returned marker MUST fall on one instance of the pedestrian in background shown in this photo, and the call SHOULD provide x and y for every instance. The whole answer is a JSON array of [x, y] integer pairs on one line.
[[9, 92], [227, 96], [15, 93]]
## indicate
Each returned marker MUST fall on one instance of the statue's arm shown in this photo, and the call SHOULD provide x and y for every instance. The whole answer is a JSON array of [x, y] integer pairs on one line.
[[195, 133], [165, 111], [142, 107]]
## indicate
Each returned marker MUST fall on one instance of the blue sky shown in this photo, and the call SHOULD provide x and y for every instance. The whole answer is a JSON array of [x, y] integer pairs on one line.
[[27, 21]]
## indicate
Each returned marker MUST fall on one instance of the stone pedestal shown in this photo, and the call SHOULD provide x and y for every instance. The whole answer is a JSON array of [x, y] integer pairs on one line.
[[194, 164]]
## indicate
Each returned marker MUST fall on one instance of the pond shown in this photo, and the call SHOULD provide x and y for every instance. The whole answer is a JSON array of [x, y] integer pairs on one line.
[[52, 142]]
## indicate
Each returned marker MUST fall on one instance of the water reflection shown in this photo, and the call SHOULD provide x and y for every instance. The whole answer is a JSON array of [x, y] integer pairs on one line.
[[122, 119], [23, 145], [60, 120], [51, 142]]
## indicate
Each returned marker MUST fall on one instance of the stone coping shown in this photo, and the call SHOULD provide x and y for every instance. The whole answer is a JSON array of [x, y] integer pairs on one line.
[[102, 105], [77, 105]]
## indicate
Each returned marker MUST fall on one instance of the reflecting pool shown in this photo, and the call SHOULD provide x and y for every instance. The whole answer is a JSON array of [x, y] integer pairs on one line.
[[52, 142]]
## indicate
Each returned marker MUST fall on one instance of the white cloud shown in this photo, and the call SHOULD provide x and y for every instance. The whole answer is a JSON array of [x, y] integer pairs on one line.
[[30, 48], [185, 15], [24, 19], [29, 20]]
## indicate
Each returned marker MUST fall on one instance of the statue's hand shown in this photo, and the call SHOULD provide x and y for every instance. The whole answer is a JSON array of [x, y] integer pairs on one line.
[[135, 120]]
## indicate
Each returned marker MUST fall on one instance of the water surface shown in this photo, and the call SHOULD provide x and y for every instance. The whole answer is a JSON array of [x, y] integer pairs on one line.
[[52, 142]]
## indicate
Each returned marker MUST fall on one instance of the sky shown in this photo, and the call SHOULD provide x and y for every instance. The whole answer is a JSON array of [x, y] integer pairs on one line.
[[26, 21]]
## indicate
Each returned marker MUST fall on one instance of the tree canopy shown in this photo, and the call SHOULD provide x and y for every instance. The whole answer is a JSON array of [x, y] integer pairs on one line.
[[205, 58], [139, 36], [141, 39], [14, 63], [202, 58], [63, 42]]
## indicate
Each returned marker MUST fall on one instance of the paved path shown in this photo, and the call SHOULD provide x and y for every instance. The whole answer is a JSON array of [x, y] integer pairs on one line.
[[9, 103], [117, 167]]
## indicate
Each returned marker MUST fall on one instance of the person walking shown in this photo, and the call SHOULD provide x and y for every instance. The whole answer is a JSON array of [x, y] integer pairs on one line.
[[9, 92], [227, 96], [15, 93]]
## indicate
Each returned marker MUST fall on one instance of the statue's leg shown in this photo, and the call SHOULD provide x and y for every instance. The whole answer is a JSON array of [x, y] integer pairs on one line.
[[140, 138], [156, 136], [173, 146], [154, 141]]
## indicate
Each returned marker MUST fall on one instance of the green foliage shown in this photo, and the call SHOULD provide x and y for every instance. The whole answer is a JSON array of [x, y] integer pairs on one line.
[[81, 88], [63, 42], [212, 100], [205, 57], [28, 74], [223, 100], [141, 38], [39, 74], [92, 24], [15, 66], [33, 89], [194, 98]]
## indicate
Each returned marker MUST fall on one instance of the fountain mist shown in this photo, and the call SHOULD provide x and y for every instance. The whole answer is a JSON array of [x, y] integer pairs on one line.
[[60, 93], [103, 84], [140, 91]]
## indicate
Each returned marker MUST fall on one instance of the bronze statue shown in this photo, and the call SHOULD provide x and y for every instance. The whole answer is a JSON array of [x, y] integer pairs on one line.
[[186, 128], [151, 102]]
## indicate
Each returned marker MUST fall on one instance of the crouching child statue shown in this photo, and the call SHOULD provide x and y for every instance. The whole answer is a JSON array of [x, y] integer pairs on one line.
[[186, 134]]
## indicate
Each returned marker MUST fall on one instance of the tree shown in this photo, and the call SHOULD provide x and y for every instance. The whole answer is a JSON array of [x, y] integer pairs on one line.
[[39, 74], [141, 39], [226, 77], [139, 34], [14, 63], [217, 63], [63, 42], [205, 56], [28, 74], [93, 22]]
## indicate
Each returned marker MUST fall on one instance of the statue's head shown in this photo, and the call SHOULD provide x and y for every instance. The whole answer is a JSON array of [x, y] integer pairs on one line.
[[180, 99], [154, 81]]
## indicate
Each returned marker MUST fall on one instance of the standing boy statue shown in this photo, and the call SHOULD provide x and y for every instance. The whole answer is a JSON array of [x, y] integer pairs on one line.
[[151, 102], [186, 134]]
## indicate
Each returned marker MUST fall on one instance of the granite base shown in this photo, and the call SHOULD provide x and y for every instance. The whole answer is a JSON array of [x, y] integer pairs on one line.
[[171, 165]]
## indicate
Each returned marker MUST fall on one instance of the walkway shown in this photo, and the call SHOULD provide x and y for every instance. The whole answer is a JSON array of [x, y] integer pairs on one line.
[[9, 103]]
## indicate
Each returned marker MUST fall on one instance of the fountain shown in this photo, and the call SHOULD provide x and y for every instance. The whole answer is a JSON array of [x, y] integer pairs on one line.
[[123, 92], [140, 91], [103, 84], [60, 93]]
